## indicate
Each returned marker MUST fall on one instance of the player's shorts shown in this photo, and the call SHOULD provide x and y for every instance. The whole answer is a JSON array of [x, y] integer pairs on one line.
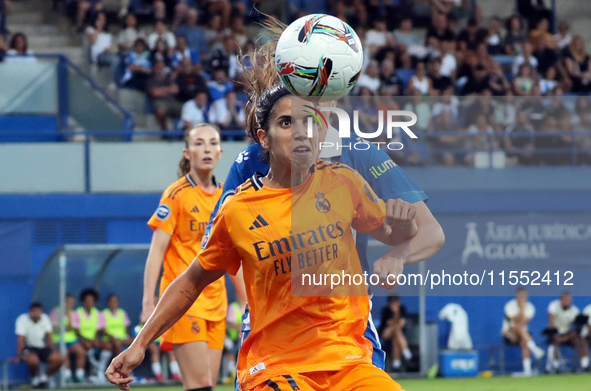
[[361, 377], [194, 329], [42, 353]]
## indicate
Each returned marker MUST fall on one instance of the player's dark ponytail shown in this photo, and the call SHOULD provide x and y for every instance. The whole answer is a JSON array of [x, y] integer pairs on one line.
[[261, 75], [185, 164]]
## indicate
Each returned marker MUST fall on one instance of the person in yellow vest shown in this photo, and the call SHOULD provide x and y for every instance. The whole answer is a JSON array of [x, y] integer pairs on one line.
[[71, 339], [89, 324], [117, 332]]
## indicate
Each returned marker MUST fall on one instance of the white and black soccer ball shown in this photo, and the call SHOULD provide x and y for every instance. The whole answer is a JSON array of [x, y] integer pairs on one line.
[[319, 57]]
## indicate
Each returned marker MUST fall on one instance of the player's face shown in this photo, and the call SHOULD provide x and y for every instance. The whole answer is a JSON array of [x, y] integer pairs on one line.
[[566, 301], [287, 139], [70, 303], [521, 297], [113, 303], [204, 149], [89, 301], [35, 314]]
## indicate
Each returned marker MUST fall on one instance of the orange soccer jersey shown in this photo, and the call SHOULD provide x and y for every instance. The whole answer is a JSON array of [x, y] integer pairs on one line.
[[276, 233], [183, 213]]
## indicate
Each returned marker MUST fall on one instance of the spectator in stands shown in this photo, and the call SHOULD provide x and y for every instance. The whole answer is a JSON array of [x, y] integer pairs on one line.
[[497, 82], [405, 35], [581, 108], [215, 31], [237, 29], [189, 81], [2, 47], [85, 8], [420, 81], [478, 82], [578, 65], [562, 37], [195, 35], [483, 104], [472, 36], [520, 135], [439, 82], [494, 43], [71, 339], [162, 52], [517, 314], [35, 344], [183, 51], [533, 105], [446, 148], [482, 139], [101, 41], [391, 331], [546, 55], [439, 31], [549, 138], [225, 56], [18, 49], [127, 37], [557, 107], [115, 8], [421, 108], [220, 85], [227, 113], [515, 37], [366, 108], [378, 36], [161, 32], [533, 11], [89, 324], [159, 7], [505, 112], [561, 316], [449, 63], [117, 326], [525, 58], [388, 77], [524, 82], [163, 90], [541, 33], [138, 66], [353, 12], [370, 79], [548, 82], [448, 102], [195, 111]]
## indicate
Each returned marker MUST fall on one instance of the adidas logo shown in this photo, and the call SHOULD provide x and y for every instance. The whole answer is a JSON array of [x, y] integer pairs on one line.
[[195, 209], [258, 223]]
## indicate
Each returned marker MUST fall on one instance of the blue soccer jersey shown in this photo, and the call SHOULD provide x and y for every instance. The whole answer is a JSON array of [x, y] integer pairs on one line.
[[387, 180]]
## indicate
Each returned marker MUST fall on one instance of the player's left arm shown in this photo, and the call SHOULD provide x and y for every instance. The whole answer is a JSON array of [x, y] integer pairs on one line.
[[394, 184], [238, 281]]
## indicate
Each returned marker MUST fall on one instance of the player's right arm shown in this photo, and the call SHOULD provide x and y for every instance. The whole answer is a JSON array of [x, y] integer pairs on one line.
[[160, 241], [551, 316], [218, 257]]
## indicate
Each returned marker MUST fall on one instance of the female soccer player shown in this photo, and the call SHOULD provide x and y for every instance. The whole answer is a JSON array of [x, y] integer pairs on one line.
[[179, 223], [388, 180], [310, 343]]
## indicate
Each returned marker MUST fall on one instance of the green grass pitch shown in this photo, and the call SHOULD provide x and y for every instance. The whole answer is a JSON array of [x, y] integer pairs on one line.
[[565, 382]]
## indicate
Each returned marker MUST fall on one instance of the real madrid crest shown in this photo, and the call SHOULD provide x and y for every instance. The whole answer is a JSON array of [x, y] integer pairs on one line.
[[322, 204]]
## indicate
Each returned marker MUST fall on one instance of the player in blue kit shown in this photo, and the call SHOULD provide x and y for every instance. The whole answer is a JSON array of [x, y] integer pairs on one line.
[[393, 183]]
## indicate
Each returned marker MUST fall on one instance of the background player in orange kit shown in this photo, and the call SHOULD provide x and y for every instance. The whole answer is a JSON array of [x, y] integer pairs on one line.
[[302, 342], [178, 223]]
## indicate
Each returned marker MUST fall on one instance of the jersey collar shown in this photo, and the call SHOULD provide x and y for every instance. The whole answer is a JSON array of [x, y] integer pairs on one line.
[[192, 182]]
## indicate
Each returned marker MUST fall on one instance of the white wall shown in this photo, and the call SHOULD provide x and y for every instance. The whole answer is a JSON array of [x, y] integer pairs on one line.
[[41, 168], [139, 167]]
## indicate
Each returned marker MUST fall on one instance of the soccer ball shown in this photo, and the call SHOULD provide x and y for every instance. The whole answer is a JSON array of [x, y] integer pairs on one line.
[[319, 57]]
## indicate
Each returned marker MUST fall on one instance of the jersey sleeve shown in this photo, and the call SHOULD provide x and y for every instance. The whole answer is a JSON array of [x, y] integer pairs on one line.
[[384, 176], [166, 215], [75, 320], [19, 327], [530, 311], [553, 307], [245, 166], [370, 211], [48, 328], [219, 251]]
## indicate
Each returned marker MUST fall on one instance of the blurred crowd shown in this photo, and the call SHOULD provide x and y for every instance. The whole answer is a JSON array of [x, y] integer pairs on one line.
[[185, 56]]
